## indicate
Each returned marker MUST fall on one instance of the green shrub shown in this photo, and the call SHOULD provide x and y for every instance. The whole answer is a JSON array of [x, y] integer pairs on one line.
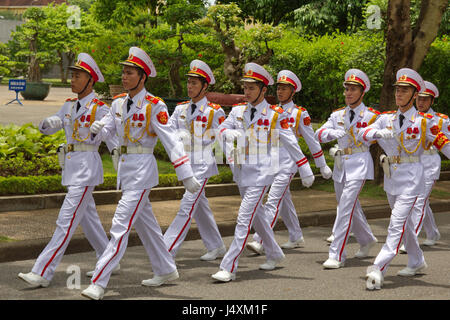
[[36, 166], [26, 141]]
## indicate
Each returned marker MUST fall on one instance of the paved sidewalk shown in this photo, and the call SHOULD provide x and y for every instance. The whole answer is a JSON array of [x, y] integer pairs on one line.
[[31, 111]]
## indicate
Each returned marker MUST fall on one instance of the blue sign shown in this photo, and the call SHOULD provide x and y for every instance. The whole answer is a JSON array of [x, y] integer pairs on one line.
[[17, 84]]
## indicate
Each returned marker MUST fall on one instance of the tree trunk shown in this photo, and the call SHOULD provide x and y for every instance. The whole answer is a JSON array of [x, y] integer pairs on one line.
[[61, 68], [174, 78], [430, 18], [34, 71]]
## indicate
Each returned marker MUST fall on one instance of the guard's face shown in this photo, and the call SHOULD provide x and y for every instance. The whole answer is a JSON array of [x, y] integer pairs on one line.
[[130, 77], [284, 92], [403, 95], [194, 87], [252, 91], [424, 103], [79, 80], [352, 93]]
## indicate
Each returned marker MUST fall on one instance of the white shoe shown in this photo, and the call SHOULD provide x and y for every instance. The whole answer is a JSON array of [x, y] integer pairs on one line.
[[410, 272], [432, 242], [94, 292], [333, 264], [214, 254], [156, 281], [364, 250], [374, 280], [224, 276], [34, 280], [296, 244], [402, 249], [116, 270], [256, 247], [271, 264], [330, 239]]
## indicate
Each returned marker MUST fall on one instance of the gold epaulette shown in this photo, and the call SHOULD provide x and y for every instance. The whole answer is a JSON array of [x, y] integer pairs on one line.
[[339, 109], [71, 99], [153, 100], [276, 108], [214, 105], [184, 102], [239, 104], [390, 112], [374, 111], [441, 115], [426, 115], [120, 95], [100, 103]]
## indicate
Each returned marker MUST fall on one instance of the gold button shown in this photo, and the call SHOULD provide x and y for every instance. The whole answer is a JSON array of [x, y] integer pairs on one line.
[[68, 157]]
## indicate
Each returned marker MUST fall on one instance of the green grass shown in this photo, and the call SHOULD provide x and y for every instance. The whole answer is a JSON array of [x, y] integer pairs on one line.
[[164, 167], [440, 194], [370, 189], [5, 239]]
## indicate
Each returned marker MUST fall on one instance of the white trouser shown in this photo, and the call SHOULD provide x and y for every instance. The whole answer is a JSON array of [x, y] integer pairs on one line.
[[251, 213], [279, 203], [193, 206], [134, 209], [78, 209], [400, 228], [349, 217], [423, 215]]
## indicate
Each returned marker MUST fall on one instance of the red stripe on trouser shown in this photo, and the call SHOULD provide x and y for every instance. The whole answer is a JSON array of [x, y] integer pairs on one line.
[[120, 241], [67, 234], [423, 209], [403, 232], [249, 227], [350, 222], [190, 215], [278, 205]]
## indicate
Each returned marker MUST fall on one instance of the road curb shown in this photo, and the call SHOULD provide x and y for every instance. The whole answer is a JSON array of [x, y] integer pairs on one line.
[[51, 201], [30, 249]]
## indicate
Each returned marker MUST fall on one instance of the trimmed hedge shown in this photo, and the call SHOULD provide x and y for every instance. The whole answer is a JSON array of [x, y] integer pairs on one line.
[[52, 184]]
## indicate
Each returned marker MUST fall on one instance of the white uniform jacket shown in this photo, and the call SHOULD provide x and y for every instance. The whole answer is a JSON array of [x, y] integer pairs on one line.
[[146, 121], [418, 130], [355, 165], [430, 158], [81, 168], [300, 123], [258, 147], [202, 127]]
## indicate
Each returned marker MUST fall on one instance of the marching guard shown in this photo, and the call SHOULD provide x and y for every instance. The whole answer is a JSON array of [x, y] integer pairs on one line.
[[353, 165], [403, 134], [82, 170], [279, 201], [139, 119], [258, 127], [196, 122]]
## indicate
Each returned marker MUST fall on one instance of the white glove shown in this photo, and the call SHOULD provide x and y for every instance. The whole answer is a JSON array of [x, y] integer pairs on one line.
[[192, 185], [308, 181], [96, 127], [326, 172], [53, 122], [338, 133], [231, 134], [384, 134]]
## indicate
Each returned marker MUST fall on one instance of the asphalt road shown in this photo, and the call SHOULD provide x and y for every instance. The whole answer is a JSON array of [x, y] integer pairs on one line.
[[299, 277]]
